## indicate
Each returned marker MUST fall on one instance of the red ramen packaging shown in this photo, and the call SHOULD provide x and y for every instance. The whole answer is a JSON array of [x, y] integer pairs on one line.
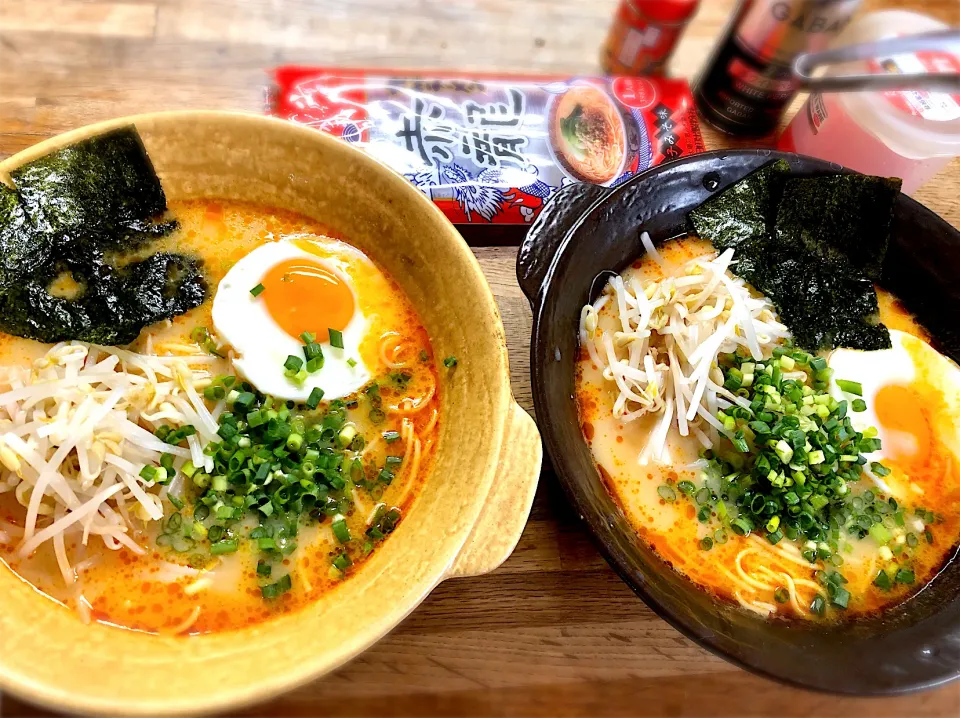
[[494, 149]]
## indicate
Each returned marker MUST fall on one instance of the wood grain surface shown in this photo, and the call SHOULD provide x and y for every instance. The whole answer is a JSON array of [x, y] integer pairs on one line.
[[554, 631]]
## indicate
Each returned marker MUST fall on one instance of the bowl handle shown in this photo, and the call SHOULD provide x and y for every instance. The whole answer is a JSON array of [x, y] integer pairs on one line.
[[507, 507], [549, 230]]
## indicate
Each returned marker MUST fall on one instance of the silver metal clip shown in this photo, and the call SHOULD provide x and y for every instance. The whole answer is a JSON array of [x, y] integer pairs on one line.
[[805, 65]]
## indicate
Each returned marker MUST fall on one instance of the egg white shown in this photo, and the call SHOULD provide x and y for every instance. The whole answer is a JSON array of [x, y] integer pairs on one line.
[[877, 369], [873, 370], [261, 347]]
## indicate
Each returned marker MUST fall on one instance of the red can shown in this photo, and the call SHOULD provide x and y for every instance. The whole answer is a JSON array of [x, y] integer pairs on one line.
[[644, 34]]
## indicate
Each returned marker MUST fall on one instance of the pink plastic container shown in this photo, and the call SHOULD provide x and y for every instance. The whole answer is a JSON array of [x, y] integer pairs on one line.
[[907, 134]]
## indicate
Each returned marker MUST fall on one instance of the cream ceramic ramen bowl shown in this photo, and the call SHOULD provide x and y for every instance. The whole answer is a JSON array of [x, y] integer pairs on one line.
[[472, 507]]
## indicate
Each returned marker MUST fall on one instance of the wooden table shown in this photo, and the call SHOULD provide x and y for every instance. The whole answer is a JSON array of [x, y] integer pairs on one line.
[[554, 631]]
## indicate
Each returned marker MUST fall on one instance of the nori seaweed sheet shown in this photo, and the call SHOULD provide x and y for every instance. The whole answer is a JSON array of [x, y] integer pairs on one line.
[[825, 304], [69, 209], [115, 304], [742, 215], [841, 217], [821, 294], [103, 188], [24, 251]]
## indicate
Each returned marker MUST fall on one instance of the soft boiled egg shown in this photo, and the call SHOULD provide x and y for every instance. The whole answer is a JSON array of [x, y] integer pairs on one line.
[[912, 393], [308, 285]]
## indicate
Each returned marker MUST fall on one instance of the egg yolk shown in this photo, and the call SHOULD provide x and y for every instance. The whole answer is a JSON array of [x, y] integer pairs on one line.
[[306, 296], [902, 409]]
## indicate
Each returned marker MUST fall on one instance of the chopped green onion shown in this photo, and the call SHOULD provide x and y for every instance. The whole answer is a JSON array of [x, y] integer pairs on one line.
[[279, 588], [308, 337], [347, 434], [840, 597], [174, 522], [667, 493], [784, 451], [740, 443], [293, 363], [224, 546], [224, 512], [154, 473], [818, 605], [687, 488], [781, 595], [882, 581], [880, 534], [904, 575], [391, 436], [450, 362], [243, 400], [227, 431], [264, 568], [214, 393], [276, 463], [850, 387], [316, 394], [257, 290], [336, 338], [340, 530]]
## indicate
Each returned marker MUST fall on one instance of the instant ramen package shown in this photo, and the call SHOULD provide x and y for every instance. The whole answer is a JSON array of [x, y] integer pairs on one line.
[[493, 149]]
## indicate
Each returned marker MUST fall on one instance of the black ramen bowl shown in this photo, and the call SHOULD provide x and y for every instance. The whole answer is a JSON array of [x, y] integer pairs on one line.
[[587, 231]]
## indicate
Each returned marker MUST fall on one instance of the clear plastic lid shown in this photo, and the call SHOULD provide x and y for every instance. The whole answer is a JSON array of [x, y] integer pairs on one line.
[[913, 123]]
